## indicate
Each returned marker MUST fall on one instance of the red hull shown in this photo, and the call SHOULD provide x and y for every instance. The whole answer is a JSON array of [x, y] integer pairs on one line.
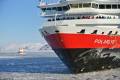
[[79, 51], [64, 40]]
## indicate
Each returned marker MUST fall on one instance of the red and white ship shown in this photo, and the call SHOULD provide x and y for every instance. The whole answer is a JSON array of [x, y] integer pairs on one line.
[[85, 34]]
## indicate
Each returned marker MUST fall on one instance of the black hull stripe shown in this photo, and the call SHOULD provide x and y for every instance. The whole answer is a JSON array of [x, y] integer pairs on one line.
[[87, 59]]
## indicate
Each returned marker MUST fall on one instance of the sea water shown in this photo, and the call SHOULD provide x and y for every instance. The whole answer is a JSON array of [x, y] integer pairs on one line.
[[45, 66]]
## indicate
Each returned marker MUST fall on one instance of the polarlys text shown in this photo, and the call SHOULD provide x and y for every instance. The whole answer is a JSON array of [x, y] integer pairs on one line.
[[106, 42]]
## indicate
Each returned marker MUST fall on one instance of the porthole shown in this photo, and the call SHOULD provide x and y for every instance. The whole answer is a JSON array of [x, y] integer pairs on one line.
[[56, 31], [97, 17], [116, 32], [100, 17], [102, 32], [94, 32], [110, 32], [82, 31]]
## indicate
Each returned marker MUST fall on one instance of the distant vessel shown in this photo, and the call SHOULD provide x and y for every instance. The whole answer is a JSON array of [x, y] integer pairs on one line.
[[21, 51], [85, 34]]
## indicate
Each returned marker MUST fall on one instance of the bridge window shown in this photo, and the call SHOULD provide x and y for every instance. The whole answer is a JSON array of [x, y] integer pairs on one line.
[[108, 6], [114, 6], [94, 5], [65, 8], [43, 9], [80, 5], [74, 5], [119, 6], [87, 5], [84, 5], [101, 6], [59, 8], [54, 8], [48, 8]]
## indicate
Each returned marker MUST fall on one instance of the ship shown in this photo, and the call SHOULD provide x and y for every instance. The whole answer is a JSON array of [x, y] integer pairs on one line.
[[21, 51], [85, 34]]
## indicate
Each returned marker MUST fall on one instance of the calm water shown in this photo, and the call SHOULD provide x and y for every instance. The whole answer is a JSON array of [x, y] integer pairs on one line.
[[31, 63], [36, 66]]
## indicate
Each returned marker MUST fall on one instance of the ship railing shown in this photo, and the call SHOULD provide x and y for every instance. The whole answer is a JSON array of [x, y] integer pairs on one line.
[[56, 18]]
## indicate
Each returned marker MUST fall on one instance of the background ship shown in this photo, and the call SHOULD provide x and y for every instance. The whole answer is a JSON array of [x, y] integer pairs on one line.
[[85, 34], [21, 51]]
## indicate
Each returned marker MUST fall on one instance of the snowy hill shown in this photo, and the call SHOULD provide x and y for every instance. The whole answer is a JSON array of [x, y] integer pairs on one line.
[[32, 47], [45, 47]]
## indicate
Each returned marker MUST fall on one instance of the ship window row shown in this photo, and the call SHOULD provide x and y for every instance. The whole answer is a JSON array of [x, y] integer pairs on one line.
[[109, 6], [63, 8], [84, 17], [83, 5], [94, 5], [80, 5], [95, 32]]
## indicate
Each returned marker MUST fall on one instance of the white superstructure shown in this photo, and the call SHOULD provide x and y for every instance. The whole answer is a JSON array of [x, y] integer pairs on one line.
[[74, 16]]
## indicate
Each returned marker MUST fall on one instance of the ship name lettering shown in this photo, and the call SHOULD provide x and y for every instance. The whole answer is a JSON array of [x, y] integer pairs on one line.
[[107, 42]]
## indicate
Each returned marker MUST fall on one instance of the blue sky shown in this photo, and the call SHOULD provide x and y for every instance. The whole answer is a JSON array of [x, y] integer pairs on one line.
[[19, 21]]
